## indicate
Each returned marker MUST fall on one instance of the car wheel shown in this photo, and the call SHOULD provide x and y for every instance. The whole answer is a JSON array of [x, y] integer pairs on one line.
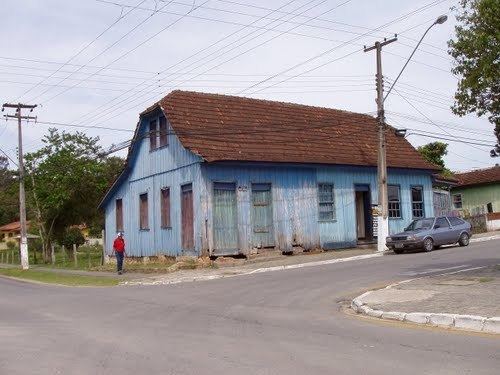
[[398, 251], [428, 244], [464, 239]]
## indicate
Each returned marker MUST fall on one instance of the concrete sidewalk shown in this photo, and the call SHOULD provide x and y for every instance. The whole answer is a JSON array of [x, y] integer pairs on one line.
[[467, 300]]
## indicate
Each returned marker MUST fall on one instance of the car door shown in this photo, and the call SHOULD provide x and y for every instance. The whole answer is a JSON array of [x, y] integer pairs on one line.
[[457, 225], [441, 231]]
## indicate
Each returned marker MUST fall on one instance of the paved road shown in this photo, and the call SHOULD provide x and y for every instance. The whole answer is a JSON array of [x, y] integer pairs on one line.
[[284, 322]]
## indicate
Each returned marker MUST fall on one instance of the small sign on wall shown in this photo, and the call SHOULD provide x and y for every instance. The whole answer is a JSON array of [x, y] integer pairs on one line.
[[375, 214]]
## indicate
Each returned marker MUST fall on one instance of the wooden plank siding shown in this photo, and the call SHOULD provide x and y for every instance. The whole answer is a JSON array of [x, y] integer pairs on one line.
[[295, 203], [287, 214]]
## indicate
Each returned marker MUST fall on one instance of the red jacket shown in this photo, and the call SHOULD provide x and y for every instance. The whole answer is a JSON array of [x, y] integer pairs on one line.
[[119, 244]]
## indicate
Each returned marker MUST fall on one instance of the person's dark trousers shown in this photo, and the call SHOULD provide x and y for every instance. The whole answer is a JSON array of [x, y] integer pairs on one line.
[[119, 260]]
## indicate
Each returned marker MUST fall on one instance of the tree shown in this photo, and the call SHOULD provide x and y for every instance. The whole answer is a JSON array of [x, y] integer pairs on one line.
[[9, 193], [66, 180], [434, 153], [476, 50]]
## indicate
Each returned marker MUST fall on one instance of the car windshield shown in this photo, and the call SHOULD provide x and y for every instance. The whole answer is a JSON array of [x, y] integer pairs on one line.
[[420, 224]]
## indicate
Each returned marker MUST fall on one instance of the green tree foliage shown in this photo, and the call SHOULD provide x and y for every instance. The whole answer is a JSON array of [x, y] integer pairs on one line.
[[72, 236], [434, 153], [66, 180], [9, 193], [476, 50]]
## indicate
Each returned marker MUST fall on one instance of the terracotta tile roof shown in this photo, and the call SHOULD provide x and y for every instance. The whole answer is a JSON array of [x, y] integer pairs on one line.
[[231, 128], [479, 176], [12, 227]]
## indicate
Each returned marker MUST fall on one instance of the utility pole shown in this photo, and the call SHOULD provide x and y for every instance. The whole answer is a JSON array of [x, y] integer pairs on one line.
[[383, 211], [23, 243]]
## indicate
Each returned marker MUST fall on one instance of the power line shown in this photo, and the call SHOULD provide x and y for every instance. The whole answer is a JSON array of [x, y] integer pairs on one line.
[[271, 39], [424, 115], [324, 53], [445, 125], [105, 50], [475, 144], [75, 65], [185, 59], [81, 50], [128, 104]]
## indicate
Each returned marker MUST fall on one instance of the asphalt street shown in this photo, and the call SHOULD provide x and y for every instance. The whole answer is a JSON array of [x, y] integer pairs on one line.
[[284, 322]]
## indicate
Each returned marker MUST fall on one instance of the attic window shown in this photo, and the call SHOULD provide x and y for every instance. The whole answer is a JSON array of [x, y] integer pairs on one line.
[[153, 127], [158, 133], [163, 132]]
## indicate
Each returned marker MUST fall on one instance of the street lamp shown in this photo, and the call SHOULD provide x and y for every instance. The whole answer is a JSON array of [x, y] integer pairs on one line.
[[383, 215], [439, 21]]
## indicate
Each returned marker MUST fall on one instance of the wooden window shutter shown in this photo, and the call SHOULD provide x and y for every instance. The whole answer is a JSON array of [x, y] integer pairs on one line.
[[165, 208], [119, 215], [143, 211], [163, 132], [152, 135]]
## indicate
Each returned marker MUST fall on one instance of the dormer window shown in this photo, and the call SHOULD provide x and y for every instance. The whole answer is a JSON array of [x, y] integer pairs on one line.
[[163, 132], [158, 133], [153, 126]]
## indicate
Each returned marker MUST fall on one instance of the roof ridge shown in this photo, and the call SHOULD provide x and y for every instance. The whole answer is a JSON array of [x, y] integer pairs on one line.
[[247, 99], [477, 170]]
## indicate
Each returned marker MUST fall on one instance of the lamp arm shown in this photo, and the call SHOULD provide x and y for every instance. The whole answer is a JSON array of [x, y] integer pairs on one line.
[[407, 61]]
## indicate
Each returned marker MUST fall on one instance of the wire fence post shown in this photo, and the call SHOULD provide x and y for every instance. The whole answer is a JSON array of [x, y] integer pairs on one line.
[[53, 254], [88, 256], [63, 250], [75, 256]]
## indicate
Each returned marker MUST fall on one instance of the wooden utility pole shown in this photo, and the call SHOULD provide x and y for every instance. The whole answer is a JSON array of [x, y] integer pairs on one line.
[[23, 242], [383, 209]]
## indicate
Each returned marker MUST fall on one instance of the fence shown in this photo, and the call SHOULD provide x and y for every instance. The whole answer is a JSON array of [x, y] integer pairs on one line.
[[84, 257]]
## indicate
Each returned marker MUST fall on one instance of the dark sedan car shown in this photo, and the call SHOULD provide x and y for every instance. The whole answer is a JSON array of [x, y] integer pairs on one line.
[[429, 233]]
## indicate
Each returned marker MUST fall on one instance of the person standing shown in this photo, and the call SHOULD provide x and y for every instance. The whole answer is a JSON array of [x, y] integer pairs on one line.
[[119, 250]]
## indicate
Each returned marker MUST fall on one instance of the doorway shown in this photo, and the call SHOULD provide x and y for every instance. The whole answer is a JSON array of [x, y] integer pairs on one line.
[[262, 216], [187, 217], [364, 230], [225, 221]]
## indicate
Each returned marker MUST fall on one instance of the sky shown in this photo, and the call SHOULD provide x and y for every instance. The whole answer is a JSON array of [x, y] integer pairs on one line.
[[99, 63]]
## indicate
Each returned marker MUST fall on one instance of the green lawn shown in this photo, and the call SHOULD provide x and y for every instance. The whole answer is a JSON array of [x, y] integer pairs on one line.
[[60, 278]]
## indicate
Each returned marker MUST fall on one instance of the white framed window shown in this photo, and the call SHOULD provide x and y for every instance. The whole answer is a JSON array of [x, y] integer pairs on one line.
[[394, 201], [326, 202], [457, 201]]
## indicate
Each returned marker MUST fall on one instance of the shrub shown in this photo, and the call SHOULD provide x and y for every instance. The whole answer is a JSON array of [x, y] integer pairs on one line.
[[11, 245], [72, 236]]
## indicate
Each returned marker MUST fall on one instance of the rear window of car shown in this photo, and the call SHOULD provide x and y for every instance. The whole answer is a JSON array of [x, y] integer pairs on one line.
[[455, 221]]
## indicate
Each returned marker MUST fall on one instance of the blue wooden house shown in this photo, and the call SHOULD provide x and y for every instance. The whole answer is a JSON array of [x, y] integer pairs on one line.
[[215, 175]]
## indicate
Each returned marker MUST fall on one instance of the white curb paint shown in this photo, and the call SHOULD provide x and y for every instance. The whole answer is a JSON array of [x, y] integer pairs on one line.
[[492, 325], [417, 317], [472, 322], [469, 322]]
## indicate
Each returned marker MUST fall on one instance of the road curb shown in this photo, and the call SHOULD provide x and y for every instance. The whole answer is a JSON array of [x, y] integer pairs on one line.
[[473, 323]]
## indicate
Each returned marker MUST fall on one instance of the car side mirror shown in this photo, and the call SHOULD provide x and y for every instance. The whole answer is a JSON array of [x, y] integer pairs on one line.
[[437, 226]]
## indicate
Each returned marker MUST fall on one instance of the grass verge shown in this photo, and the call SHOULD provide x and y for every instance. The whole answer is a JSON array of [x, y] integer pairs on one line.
[[58, 278]]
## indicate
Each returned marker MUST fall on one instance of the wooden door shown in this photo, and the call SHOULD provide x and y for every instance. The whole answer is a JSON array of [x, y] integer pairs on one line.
[[187, 217], [360, 215], [262, 215], [225, 229]]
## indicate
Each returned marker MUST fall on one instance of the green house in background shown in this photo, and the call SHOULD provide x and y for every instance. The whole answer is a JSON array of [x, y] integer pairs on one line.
[[478, 191]]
